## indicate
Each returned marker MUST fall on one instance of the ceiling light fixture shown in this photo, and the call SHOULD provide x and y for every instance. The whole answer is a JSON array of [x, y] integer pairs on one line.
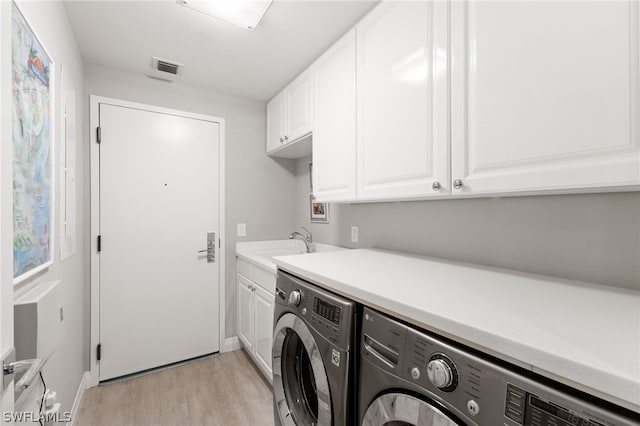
[[246, 14]]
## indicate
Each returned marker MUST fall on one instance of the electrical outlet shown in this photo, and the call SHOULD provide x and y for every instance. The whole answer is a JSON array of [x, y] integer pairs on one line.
[[354, 234], [242, 230]]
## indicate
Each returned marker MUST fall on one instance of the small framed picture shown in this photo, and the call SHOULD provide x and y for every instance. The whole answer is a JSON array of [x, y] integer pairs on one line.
[[319, 211]]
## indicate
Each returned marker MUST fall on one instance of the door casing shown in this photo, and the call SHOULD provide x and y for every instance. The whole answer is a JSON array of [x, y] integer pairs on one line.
[[94, 121]]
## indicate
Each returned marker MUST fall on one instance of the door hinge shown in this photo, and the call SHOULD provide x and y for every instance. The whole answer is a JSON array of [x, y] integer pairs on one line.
[[99, 351], [99, 134], [99, 243]]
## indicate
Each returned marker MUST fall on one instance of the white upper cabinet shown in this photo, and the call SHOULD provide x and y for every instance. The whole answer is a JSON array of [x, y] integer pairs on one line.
[[334, 133], [402, 108], [544, 96], [276, 122], [299, 107], [289, 118]]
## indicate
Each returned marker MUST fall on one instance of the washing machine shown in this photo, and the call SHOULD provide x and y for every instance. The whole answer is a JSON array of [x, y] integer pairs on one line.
[[411, 377], [314, 355]]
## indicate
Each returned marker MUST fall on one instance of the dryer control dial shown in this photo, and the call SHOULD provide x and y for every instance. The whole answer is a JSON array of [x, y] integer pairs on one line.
[[295, 297], [442, 373]]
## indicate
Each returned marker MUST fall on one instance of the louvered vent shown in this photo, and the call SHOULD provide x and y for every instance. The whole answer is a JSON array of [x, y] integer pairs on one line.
[[165, 66], [168, 67]]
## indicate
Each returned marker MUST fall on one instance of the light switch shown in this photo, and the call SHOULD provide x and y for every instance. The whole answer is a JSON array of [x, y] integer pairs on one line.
[[354, 234], [242, 230]]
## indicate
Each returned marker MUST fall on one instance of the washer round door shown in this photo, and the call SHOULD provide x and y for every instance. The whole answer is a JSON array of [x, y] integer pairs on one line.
[[399, 409], [300, 383]]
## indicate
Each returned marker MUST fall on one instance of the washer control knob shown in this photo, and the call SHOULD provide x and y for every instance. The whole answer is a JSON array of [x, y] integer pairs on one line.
[[295, 297], [473, 407], [415, 373], [440, 373]]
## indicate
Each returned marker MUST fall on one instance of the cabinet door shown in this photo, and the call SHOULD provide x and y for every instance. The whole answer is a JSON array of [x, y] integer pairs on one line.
[[334, 133], [544, 95], [264, 303], [245, 312], [299, 107], [275, 122], [403, 101]]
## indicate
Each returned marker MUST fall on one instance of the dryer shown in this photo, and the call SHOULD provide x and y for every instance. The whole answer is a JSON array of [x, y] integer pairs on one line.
[[314, 345], [412, 377]]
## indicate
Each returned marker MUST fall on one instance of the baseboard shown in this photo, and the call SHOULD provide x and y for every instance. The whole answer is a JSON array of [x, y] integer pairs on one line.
[[231, 344], [84, 384]]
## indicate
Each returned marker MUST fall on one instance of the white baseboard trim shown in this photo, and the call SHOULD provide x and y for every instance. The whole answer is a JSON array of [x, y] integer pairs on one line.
[[84, 384], [231, 344]]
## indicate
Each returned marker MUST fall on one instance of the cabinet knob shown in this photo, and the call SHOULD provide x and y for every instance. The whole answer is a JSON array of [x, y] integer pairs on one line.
[[436, 186], [286, 138], [457, 184], [281, 140]]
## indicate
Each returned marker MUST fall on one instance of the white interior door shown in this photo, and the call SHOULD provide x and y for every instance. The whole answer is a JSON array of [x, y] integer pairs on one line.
[[159, 197]]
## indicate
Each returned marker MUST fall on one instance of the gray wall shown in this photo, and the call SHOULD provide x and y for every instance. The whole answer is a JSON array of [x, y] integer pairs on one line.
[[587, 237], [64, 369], [258, 189]]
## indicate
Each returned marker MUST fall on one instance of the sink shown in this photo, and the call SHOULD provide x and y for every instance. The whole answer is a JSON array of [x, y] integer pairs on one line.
[[261, 253], [269, 255]]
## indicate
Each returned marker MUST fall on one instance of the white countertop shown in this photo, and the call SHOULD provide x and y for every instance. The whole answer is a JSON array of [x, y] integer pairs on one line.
[[584, 335]]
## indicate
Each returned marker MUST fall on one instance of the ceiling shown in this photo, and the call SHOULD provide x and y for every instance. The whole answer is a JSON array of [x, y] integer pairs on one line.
[[217, 55]]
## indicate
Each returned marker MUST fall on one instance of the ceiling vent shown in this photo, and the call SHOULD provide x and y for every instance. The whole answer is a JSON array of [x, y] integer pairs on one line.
[[168, 67]]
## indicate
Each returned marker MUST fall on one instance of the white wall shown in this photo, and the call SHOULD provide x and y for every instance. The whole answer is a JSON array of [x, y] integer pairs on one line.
[[64, 369], [6, 214], [258, 189], [587, 237]]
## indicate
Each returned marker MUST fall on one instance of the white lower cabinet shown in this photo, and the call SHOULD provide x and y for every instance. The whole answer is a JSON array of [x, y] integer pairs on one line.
[[263, 338], [245, 312], [255, 322]]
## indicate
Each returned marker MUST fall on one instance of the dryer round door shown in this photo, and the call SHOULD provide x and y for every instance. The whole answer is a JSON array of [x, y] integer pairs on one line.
[[300, 383], [399, 409]]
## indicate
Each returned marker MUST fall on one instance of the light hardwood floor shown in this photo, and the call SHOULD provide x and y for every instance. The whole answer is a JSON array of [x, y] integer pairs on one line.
[[225, 389]]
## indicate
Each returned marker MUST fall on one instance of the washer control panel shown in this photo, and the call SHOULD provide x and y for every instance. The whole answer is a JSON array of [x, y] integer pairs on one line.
[[326, 312]]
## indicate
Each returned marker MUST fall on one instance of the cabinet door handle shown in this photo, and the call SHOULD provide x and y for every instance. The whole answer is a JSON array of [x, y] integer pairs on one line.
[[286, 138], [281, 140], [457, 184]]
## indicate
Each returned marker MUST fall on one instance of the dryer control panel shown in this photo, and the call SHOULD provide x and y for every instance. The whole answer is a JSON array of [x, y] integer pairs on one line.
[[473, 386]]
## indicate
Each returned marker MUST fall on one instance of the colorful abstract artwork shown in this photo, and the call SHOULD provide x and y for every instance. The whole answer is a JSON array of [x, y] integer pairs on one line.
[[32, 129]]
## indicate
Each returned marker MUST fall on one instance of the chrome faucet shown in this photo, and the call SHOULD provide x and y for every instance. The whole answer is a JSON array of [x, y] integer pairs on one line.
[[306, 239]]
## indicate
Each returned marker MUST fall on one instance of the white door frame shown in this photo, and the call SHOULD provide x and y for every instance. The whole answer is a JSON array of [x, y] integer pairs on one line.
[[94, 121]]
